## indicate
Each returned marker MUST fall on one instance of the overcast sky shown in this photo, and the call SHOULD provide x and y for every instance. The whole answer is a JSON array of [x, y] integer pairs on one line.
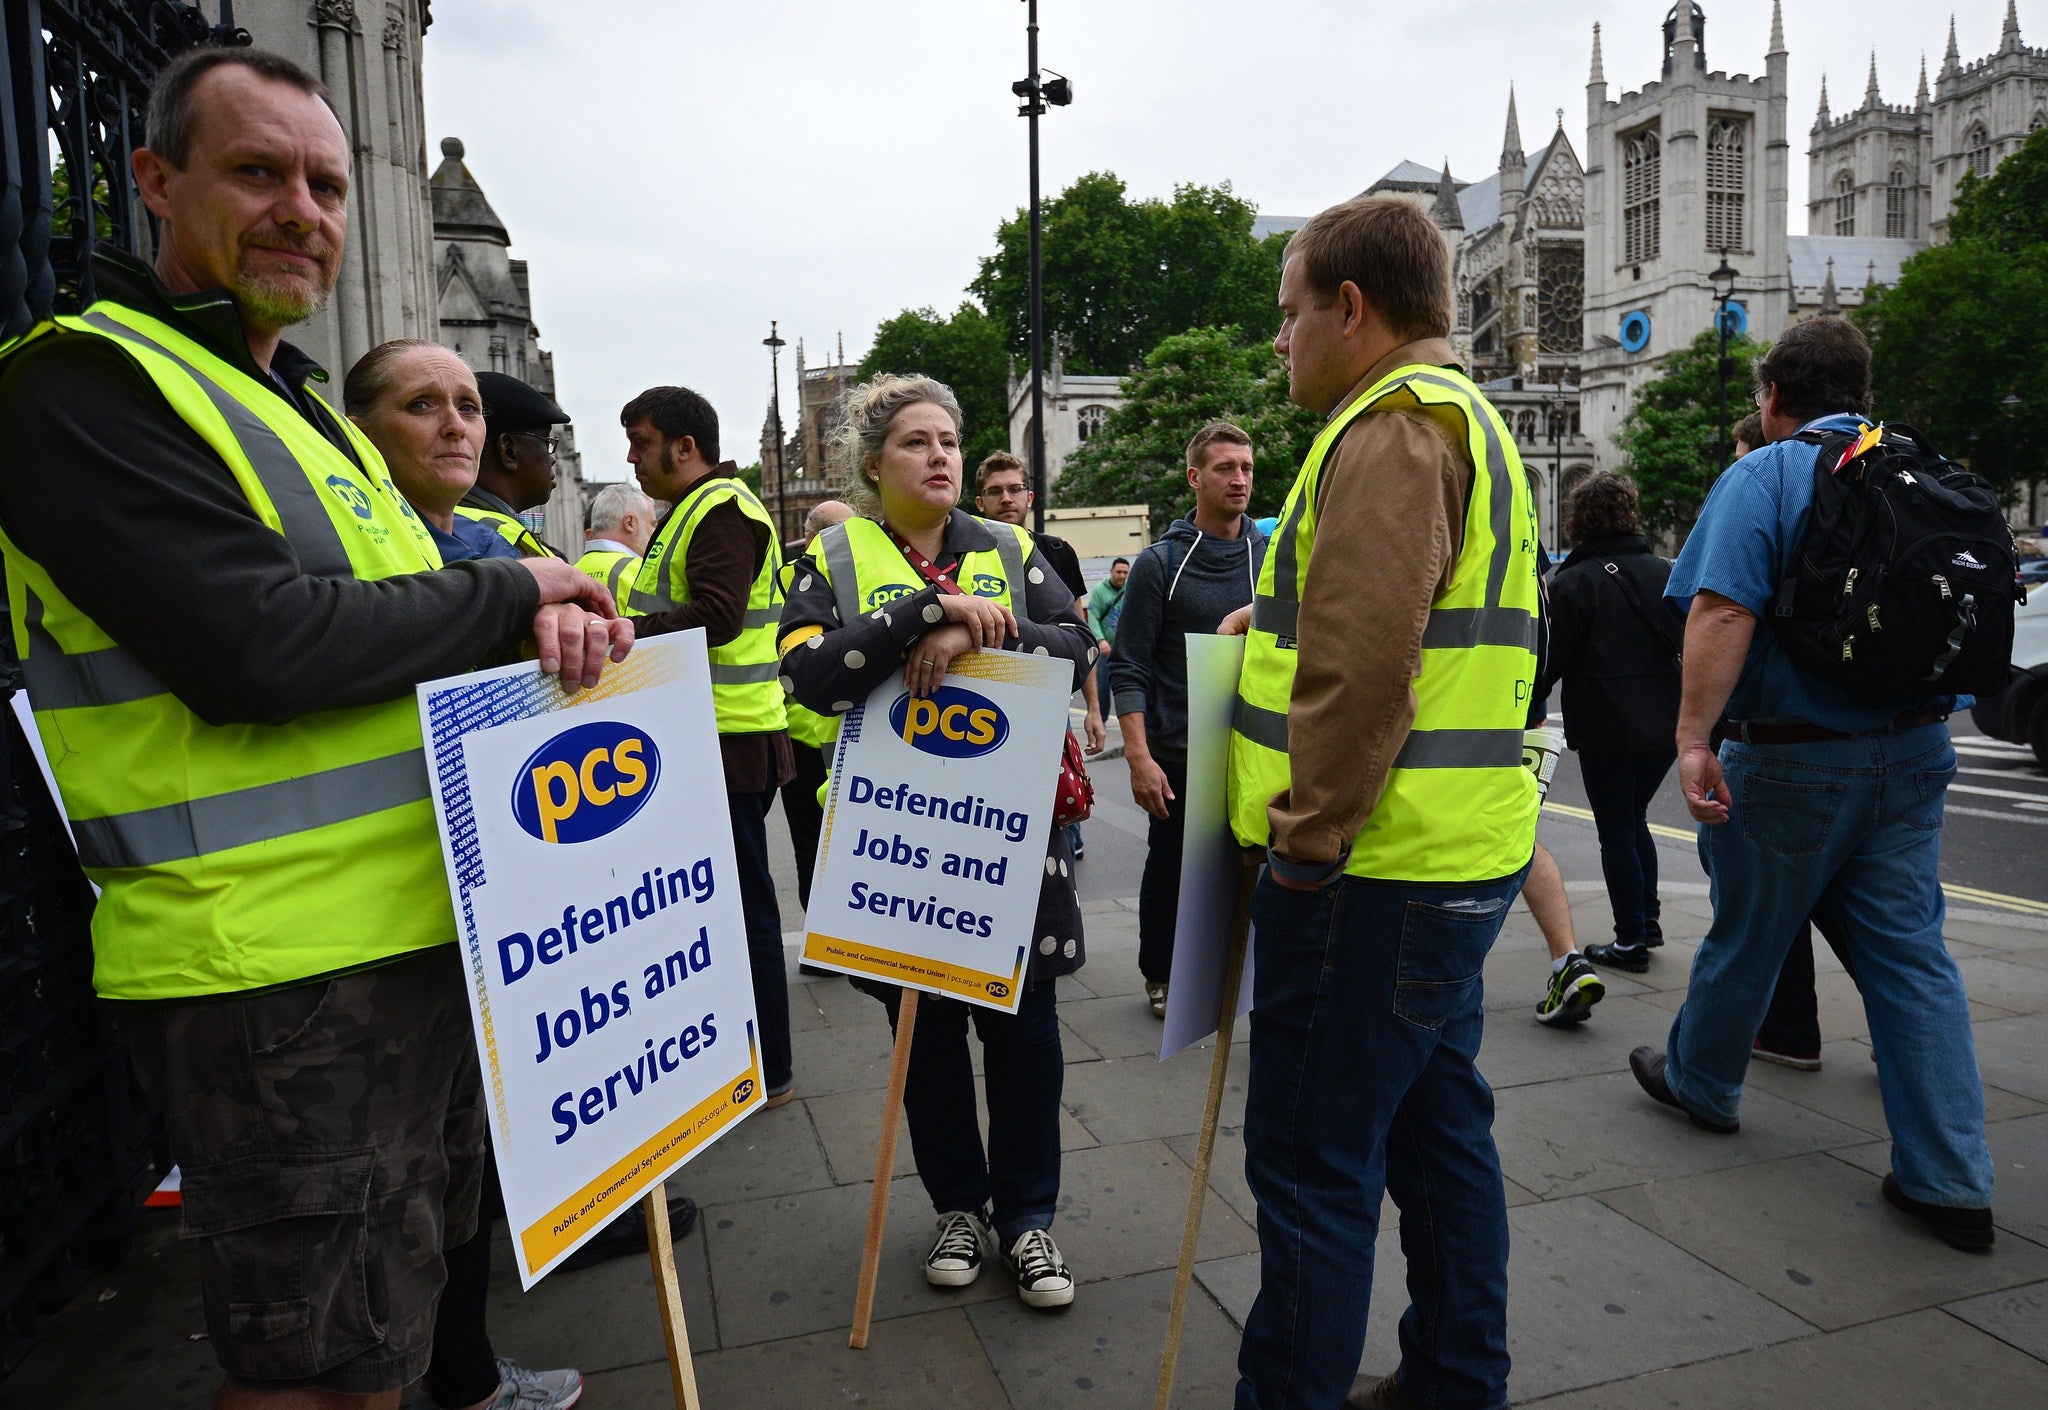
[[679, 172]]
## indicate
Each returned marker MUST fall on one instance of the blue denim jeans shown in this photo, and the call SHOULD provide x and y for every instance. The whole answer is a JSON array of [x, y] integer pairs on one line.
[[1366, 1017], [1854, 824], [1023, 1069]]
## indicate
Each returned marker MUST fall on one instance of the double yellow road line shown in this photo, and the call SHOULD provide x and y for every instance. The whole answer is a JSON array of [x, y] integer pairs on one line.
[[1961, 895]]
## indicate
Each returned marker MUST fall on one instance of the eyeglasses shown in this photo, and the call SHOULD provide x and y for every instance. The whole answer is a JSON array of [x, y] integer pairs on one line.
[[1006, 492], [1761, 395], [552, 442]]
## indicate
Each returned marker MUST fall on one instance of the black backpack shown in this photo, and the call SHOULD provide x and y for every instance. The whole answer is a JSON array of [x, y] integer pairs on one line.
[[1905, 583]]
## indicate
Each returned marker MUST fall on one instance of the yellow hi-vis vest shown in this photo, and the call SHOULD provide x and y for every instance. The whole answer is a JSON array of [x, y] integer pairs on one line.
[[508, 527], [1458, 805], [744, 688], [866, 570], [614, 569], [234, 857], [806, 726]]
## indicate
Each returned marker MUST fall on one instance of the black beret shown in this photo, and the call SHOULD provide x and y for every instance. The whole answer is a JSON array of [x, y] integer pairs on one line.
[[511, 405]]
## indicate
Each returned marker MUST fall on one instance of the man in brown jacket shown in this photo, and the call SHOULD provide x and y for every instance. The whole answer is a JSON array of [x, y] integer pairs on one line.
[[1376, 754]]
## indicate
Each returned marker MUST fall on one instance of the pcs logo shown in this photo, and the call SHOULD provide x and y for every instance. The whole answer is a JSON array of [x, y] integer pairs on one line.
[[997, 989], [585, 782], [951, 723], [889, 592], [351, 495], [989, 585], [743, 1090]]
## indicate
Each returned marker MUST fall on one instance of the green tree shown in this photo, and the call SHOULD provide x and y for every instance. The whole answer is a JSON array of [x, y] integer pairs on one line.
[[1189, 379], [750, 476], [965, 352], [1962, 330], [1121, 275], [1670, 432]]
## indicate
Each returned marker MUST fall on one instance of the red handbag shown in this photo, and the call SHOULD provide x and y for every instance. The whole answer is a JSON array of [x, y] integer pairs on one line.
[[1074, 799]]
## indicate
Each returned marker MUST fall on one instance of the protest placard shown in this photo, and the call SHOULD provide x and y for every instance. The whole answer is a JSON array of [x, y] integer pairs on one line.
[[598, 910], [933, 848]]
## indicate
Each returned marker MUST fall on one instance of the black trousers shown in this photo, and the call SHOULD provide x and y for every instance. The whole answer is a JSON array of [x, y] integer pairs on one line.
[[1792, 1023], [1159, 888], [764, 932], [804, 813], [465, 1365]]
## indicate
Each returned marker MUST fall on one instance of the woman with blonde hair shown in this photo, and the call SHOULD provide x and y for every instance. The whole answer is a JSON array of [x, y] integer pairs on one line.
[[861, 606]]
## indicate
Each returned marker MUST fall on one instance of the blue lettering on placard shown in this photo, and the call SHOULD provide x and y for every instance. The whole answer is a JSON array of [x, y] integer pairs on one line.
[[950, 722], [585, 782]]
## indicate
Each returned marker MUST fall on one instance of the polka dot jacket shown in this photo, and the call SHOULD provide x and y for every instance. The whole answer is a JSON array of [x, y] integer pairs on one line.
[[829, 672]]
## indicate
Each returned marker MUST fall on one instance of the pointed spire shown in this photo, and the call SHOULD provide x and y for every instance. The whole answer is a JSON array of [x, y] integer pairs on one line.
[[2009, 38], [1920, 99], [1870, 94], [1952, 61], [1445, 213], [1830, 297], [1599, 75], [1777, 28], [1822, 119], [1511, 140]]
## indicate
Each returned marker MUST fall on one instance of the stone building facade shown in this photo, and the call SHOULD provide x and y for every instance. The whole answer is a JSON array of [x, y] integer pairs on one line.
[[368, 54], [485, 310], [1076, 407], [803, 480], [1890, 171]]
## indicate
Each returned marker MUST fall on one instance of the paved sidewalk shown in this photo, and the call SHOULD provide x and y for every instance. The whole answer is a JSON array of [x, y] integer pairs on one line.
[[1653, 1264]]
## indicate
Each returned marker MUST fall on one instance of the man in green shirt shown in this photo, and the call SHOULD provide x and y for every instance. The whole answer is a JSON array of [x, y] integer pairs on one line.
[[1105, 606]]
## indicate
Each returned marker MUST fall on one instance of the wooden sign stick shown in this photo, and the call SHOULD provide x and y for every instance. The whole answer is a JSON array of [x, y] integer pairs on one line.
[[1205, 1144], [661, 1252], [885, 1166]]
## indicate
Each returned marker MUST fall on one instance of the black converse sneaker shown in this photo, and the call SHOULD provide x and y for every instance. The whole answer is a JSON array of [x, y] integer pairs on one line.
[[1042, 1276], [955, 1260]]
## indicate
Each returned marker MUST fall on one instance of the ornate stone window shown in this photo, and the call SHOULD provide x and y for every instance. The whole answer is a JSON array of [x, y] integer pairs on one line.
[[1977, 142], [1091, 419], [2037, 122], [1727, 146], [1642, 161], [1895, 206], [1845, 204], [1560, 296]]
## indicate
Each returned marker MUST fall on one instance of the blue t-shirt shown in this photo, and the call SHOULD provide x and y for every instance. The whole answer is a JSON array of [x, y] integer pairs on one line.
[[1742, 547], [471, 539]]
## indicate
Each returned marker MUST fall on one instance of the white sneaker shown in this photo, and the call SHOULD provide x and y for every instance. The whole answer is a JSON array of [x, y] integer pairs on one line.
[[955, 1259], [1042, 1276]]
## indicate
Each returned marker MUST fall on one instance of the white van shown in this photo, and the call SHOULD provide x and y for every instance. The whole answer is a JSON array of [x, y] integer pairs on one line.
[[2019, 713]]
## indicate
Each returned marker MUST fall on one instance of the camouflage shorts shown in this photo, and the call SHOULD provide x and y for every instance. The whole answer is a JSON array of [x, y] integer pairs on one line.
[[331, 1138]]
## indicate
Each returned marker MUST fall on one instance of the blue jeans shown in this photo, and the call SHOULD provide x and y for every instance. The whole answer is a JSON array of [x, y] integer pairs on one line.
[[1854, 823], [1023, 1071], [1366, 1017]]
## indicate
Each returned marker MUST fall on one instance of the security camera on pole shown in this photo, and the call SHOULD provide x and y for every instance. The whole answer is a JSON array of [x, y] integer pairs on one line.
[[1037, 94]]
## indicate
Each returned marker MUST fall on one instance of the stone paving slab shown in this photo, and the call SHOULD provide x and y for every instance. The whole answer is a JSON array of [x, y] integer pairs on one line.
[[1600, 1133], [2017, 1316], [2017, 988], [1138, 1099], [1517, 1050], [557, 1324], [2019, 1158], [1814, 1235], [1916, 1362], [770, 1153], [2014, 1055]]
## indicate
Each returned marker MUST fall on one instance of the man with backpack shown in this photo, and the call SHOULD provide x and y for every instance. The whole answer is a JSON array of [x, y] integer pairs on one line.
[[1830, 642]]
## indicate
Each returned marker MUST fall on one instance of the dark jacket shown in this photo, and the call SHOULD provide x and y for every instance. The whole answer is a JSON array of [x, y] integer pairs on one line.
[[1188, 581], [1615, 647]]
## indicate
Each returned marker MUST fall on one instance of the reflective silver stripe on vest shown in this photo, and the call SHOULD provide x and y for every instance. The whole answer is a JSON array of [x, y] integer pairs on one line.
[[723, 673], [648, 604], [1500, 495], [181, 831], [1264, 727], [612, 582], [758, 617], [1011, 552], [59, 681], [299, 506], [1461, 627], [838, 550], [1461, 749]]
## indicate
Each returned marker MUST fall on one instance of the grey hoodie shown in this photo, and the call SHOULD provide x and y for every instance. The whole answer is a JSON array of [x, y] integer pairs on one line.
[[1188, 581]]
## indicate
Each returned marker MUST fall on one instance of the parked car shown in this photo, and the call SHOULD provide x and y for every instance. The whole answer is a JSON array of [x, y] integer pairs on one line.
[[2019, 713], [2034, 570]]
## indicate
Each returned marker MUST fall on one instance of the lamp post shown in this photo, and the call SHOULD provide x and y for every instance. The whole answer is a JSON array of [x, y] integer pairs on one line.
[[775, 344], [1559, 400], [1723, 280], [1037, 95], [2011, 403]]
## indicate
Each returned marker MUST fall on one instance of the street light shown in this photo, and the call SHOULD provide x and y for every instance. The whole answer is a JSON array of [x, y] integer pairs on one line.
[[775, 344], [1724, 289], [1037, 95], [1559, 401], [2011, 403]]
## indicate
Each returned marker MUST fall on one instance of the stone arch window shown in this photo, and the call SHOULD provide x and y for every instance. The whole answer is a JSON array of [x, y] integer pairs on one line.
[[1090, 419], [1977, 143], [1642, 168], [1727, 148], [1845, 204], [1895, 205], [1525, 426], [2037, 122]]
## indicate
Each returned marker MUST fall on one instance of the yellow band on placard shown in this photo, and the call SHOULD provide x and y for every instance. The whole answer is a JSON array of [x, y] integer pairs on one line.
[[548, 1237], [899, 968]]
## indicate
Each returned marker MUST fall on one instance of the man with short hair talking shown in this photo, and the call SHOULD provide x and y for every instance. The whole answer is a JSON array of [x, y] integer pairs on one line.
[[1377, 757], [222, 606], [714, 563], [1200, 570]]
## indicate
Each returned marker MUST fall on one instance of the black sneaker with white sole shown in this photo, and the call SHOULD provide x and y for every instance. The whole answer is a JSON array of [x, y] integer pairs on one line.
[[955, 1259], [1042, 1276]]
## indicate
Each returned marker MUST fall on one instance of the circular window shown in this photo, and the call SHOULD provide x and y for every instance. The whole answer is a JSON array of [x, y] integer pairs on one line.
[[1635, 331]]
